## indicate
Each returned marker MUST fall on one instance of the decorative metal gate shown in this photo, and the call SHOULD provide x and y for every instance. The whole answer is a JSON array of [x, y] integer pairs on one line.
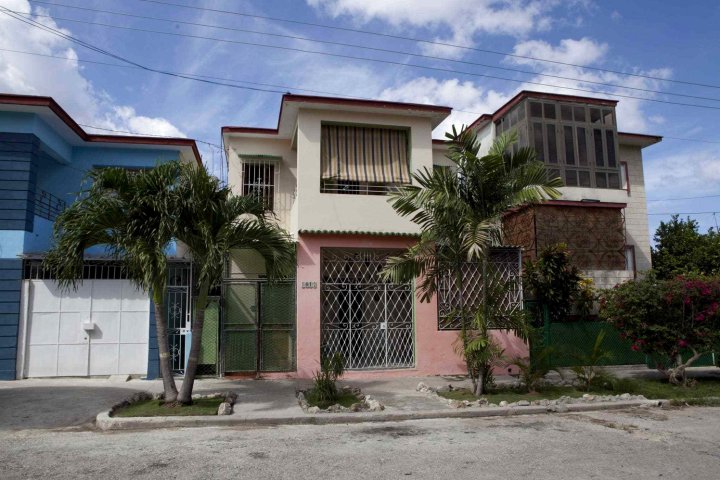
[[367, 320], [258, 326], [178, 311]]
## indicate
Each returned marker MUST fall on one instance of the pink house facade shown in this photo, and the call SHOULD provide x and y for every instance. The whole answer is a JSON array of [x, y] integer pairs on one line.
[[325, 172]]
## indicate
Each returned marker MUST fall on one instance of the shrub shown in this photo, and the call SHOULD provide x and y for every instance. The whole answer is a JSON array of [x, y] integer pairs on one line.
[[588, 371], [667, 318], [325, 387]]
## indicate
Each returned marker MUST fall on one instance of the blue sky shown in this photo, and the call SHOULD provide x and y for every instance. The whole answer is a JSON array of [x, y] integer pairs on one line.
[[664, 40]]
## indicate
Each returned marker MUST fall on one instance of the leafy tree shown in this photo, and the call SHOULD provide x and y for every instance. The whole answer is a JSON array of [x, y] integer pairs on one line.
[[666, 318], [459, 209], [680, 248], [555, 282], [129, 214], [211, 222]]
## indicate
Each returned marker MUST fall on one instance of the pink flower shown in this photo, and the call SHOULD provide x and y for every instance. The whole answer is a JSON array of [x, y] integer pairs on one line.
[[683, 343], [699, 317], [635, 348]]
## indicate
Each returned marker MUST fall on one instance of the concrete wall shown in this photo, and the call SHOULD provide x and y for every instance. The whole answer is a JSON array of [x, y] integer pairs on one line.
[[10, 285], [353, 213], [434, 349], [285, 190]]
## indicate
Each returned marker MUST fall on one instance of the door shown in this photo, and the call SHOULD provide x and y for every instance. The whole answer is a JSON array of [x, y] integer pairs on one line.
[[178, 311], [367, 320], [99, 329], [258, 326]]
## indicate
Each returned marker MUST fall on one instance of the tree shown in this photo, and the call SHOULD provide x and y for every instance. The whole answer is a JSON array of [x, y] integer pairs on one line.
[[459, 212], [211, 222], [129, 214], [554, 281], [680, 248], [667, 318]]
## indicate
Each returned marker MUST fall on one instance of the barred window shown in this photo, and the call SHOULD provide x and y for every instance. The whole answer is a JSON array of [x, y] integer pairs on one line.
[[258, 180]]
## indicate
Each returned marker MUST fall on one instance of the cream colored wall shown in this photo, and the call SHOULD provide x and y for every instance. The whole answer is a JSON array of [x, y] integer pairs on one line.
[[352, 213], [486, 135], [287, 168], [439, 155]]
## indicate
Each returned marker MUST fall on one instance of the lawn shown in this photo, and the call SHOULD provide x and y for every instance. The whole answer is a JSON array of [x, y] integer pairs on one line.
[[706, 392], [155, 408], [344, 398]]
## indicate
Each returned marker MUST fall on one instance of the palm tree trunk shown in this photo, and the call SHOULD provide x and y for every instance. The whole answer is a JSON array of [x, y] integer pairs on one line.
[[185, 396], [163, 348]]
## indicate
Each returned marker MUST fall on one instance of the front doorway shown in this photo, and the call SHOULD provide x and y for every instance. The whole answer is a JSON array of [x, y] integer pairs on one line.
[[367, 320]]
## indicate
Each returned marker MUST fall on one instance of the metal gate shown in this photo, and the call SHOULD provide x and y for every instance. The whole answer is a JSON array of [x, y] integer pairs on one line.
[[367, 320], [178, 310], [258, 326]]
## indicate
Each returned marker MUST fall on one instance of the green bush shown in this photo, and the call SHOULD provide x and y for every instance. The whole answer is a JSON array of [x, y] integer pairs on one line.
[[667, 318], [325, 387]]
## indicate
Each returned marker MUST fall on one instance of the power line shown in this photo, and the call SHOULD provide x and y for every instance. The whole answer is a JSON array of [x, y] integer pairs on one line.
[[682, 198], [350, 57], [420, 40], [684, 213], [287, 88], [146, 134], [342, 44], [78, 41]]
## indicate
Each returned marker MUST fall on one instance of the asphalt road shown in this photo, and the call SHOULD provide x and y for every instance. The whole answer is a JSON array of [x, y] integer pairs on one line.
[[635, 444]]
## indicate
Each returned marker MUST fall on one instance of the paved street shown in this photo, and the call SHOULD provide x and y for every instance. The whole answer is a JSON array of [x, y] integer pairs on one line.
[[637, 444]]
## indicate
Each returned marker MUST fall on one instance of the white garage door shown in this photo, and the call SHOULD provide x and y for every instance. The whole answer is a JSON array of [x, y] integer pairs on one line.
[[59, 345]]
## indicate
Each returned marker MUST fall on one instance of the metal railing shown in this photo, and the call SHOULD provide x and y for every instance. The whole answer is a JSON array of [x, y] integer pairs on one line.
[[357, 188], [48, 206]]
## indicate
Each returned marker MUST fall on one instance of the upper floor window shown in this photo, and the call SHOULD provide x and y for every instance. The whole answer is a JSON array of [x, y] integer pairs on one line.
[[258, 180], [577, 142], [363, 160]]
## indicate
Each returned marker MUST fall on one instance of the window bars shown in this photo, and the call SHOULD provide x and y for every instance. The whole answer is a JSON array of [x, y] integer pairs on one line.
[[365, 319], [92, 270], [505, 266], [259, 178]]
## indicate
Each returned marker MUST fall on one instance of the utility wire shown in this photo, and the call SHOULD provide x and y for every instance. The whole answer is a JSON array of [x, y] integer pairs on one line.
[[341, 44], [286, 87], [147, 135], [350, 57], [681, 198], [420, 40], [118, 57], [684, 213]]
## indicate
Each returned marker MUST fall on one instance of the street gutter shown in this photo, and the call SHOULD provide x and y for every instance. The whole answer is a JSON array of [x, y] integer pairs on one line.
[[106, 423]]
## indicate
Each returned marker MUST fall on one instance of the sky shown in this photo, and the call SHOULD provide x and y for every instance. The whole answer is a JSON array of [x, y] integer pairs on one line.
[[668, 47]]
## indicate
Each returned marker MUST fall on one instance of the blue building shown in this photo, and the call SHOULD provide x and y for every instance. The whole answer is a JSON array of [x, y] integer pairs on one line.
[[106, 326]]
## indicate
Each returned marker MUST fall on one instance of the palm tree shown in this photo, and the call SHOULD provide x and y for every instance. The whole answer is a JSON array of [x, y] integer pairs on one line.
[[459, 212], [211, 222], [128, 213]]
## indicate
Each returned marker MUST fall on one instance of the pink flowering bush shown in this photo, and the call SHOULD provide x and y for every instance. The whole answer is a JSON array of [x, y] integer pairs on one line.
[[667, 318]]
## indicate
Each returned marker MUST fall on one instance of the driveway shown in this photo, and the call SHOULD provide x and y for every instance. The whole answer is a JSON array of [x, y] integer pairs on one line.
[[637, 444]]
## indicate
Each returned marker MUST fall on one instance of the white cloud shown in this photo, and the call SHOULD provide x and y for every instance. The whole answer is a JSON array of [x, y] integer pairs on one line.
[[686, 170], [579, 52], [461, 95], [464, 18], [63, 79]]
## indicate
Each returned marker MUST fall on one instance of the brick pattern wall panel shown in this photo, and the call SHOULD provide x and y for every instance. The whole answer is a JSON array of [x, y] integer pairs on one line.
[[10, 284]]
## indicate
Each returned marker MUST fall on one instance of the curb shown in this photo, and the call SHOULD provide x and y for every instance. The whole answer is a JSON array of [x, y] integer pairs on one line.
[[106, 423]]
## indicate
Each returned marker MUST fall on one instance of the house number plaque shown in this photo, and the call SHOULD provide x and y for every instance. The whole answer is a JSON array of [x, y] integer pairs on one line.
[[309, 284]]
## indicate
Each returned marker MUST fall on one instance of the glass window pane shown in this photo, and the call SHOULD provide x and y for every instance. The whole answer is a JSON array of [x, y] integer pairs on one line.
[[582, 146], [551, 143], [595, 115], [600, 180], [513, 117], [613, 180], [569, 146], [522, 137], [610, 140], [579, 114], [584, 177], [623, 175], [566, 113], [554, 173], [608, 117], [538, 142], [599, 158], [536, 110], [521, 112], [571, 178], [549, 109]]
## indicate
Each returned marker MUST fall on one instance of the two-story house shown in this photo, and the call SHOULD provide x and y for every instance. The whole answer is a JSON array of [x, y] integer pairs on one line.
[[105, 326], [325, 172]]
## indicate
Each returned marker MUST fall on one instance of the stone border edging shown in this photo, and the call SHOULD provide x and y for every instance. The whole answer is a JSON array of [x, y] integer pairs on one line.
[[106, 423]]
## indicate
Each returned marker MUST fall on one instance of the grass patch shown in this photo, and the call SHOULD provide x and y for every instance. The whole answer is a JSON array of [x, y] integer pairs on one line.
[[344, 398], [155, 408], [705, 393]]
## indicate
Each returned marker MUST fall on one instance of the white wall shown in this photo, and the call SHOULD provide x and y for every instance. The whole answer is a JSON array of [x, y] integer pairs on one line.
[[354, 213]]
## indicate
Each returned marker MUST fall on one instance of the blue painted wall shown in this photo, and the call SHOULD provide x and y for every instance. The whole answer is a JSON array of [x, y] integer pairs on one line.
[[153, 369]]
